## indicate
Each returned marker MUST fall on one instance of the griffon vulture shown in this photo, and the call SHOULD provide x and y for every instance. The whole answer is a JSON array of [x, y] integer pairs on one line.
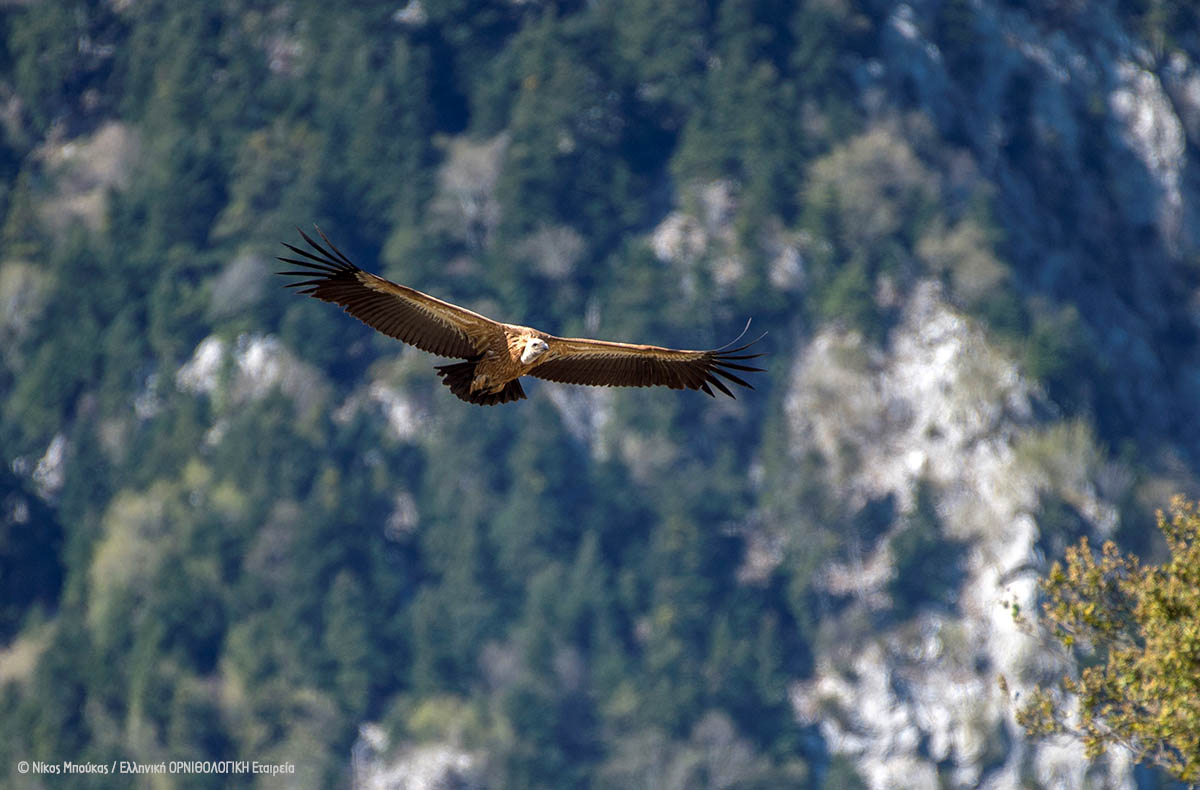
[[499, 354]]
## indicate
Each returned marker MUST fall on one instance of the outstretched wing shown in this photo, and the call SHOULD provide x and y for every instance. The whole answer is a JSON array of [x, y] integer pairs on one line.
[[576, 360], [396, 310]]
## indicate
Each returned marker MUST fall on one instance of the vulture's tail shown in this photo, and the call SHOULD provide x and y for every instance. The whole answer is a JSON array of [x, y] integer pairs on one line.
[[458, 378]]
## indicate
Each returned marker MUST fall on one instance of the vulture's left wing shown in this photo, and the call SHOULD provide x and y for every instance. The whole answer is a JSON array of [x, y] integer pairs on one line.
[[399, 311], [577, 360]]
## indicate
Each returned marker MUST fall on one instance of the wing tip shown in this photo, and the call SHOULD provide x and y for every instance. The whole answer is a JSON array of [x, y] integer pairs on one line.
[[317, 263], [725, 348], [721, 363]]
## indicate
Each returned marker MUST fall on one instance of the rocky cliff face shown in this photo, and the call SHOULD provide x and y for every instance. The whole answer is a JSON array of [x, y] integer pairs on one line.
[[915, 701], [1062, 108], [1086, 130]]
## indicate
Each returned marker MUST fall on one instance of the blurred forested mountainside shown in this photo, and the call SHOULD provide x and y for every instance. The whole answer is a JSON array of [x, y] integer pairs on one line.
[[237, 524]]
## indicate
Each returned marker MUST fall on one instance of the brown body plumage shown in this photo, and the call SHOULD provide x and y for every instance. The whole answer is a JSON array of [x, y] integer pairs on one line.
[[497, 354]]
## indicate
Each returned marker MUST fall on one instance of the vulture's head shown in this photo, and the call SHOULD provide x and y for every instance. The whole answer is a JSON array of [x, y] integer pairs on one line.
[[534, 348]]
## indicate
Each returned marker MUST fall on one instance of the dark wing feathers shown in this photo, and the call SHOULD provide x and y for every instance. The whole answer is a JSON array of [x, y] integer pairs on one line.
[[573, 360], [398, 311]]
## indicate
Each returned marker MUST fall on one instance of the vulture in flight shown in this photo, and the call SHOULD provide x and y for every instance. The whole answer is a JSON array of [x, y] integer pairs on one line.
[[497, 354]]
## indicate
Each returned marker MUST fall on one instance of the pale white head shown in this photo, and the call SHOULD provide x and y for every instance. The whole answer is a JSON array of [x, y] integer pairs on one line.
[[534, 348]]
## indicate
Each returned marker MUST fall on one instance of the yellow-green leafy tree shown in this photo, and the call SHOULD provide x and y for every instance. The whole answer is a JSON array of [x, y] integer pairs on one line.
[[1134, 632]]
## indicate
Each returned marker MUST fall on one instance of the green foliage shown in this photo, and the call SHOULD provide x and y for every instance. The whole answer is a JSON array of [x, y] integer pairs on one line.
[[1060, 353], [666, 49], [867, 204], [1164, 23], [958, 39], [849, 298], [59, 54], [747, 125], [1133, 632], [31, 561], [928, 562], [274, 179], [569, 128], [347, 642], [841, 774]]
